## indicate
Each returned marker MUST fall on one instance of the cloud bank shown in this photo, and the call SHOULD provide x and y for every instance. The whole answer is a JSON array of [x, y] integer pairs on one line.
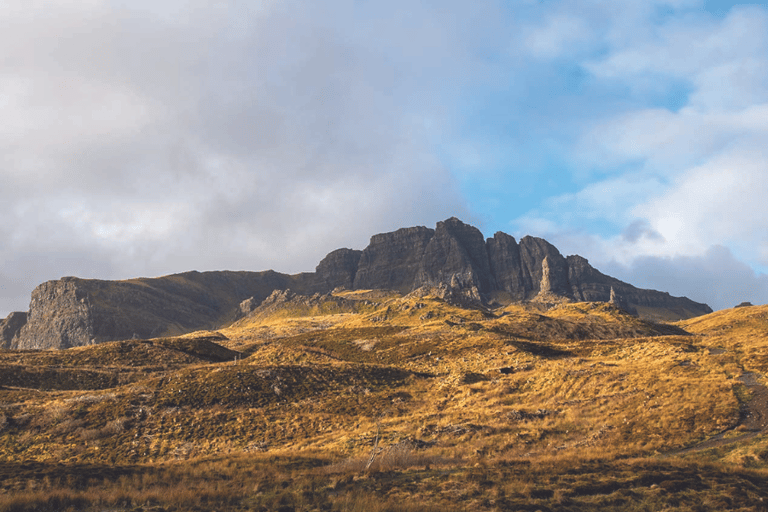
[[145, 138]]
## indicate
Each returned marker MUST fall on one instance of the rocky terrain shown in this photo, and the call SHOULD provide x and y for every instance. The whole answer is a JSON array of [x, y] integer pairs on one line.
[[72, 312], [376, 401]]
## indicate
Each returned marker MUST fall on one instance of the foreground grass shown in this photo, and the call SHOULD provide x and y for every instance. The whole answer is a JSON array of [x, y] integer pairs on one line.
[[312, 483]]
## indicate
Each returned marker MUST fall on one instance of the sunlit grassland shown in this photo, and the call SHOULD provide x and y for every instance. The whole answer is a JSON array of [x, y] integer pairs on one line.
[[382, 402]]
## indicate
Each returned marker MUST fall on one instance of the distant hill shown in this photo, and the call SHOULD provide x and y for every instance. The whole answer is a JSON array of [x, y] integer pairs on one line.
[[454, 258]]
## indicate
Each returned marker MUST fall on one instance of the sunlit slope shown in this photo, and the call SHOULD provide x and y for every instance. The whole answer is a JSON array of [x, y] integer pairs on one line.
[[742, 332], [327, 372]]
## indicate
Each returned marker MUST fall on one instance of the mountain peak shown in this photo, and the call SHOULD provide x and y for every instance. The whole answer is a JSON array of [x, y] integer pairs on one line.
[[497, 271]]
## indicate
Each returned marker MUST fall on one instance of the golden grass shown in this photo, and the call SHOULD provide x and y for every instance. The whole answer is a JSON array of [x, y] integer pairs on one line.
[[408, 404]]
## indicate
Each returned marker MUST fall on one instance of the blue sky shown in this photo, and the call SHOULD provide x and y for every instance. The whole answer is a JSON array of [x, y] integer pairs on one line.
[[146, 138]]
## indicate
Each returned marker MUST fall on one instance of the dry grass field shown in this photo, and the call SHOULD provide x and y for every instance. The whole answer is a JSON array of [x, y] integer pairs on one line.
[[370, 401]]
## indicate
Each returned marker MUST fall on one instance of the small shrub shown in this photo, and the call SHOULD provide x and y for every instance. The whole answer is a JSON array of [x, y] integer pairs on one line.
[[115, 426]]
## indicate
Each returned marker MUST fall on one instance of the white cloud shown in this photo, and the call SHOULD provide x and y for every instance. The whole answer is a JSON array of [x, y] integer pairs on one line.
[[715, 277], [560, 33], [143, 139], [140, 138], [720, 201]]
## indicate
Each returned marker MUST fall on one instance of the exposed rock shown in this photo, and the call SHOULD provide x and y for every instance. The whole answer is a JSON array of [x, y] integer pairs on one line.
[[393, 260], [587, 284], [453, 259], [338, 268], [455, 293], [60, 316], [286, 302], [278, 297], [456, 255], [546, 283], [248, 305], [744, 305], [10, 327], [506, 266], [533, 251], [73, 312], [619, 302]]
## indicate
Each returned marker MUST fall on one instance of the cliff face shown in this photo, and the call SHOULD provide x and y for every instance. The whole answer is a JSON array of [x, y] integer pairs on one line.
[[10, 327], [60, 316], [506, 266], [74, 312], [393, 260], [455, 255], [338, 268]]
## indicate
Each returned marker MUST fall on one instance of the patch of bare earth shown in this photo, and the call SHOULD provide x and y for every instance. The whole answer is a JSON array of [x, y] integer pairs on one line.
[[753, 421]]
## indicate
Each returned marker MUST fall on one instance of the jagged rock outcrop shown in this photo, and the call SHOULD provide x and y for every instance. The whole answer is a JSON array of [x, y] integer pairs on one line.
[[10, 327], [338, 268], [60, 316], [533, 252], [498, 269], [619, 302], [287, 303], [453, 259], [248, 305], [506, 266], [455, 255], [73, 312], [393, 260]]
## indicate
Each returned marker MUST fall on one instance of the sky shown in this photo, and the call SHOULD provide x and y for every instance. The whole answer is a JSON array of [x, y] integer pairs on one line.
[[146, 138]]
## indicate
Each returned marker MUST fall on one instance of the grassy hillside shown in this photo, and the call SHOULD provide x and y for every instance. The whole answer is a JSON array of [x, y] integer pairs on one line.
[[376, 401]]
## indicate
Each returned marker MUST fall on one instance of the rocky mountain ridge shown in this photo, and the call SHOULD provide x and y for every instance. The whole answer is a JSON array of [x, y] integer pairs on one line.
[[73, 312]]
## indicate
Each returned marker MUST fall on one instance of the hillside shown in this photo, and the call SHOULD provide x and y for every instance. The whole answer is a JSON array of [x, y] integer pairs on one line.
[[454, 257], [378, 400]]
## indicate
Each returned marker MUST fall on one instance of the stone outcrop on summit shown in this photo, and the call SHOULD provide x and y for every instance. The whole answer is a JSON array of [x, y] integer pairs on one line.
[[454, 257], [500, 269], [393, 260]]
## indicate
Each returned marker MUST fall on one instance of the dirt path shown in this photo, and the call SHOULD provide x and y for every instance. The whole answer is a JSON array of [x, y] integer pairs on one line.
[[753, 421]]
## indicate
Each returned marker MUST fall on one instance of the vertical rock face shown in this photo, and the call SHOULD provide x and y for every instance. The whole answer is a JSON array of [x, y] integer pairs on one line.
[[74, 312], [9, 329], [586, 283], [338, 268], [456, 254], [505, 265], [393, 260], [59, 316], [533, 251], [618, 301]]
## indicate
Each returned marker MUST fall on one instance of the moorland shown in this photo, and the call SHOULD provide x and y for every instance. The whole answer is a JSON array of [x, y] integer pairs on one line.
[[371, 400]]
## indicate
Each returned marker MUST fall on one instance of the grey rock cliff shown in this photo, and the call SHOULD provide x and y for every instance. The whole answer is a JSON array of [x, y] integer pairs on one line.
[[455, 255], [533, 252], [60, 316], [73, 312], [506, 265], [393, 260], [453, 258], [10, 327], [338, 268]]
